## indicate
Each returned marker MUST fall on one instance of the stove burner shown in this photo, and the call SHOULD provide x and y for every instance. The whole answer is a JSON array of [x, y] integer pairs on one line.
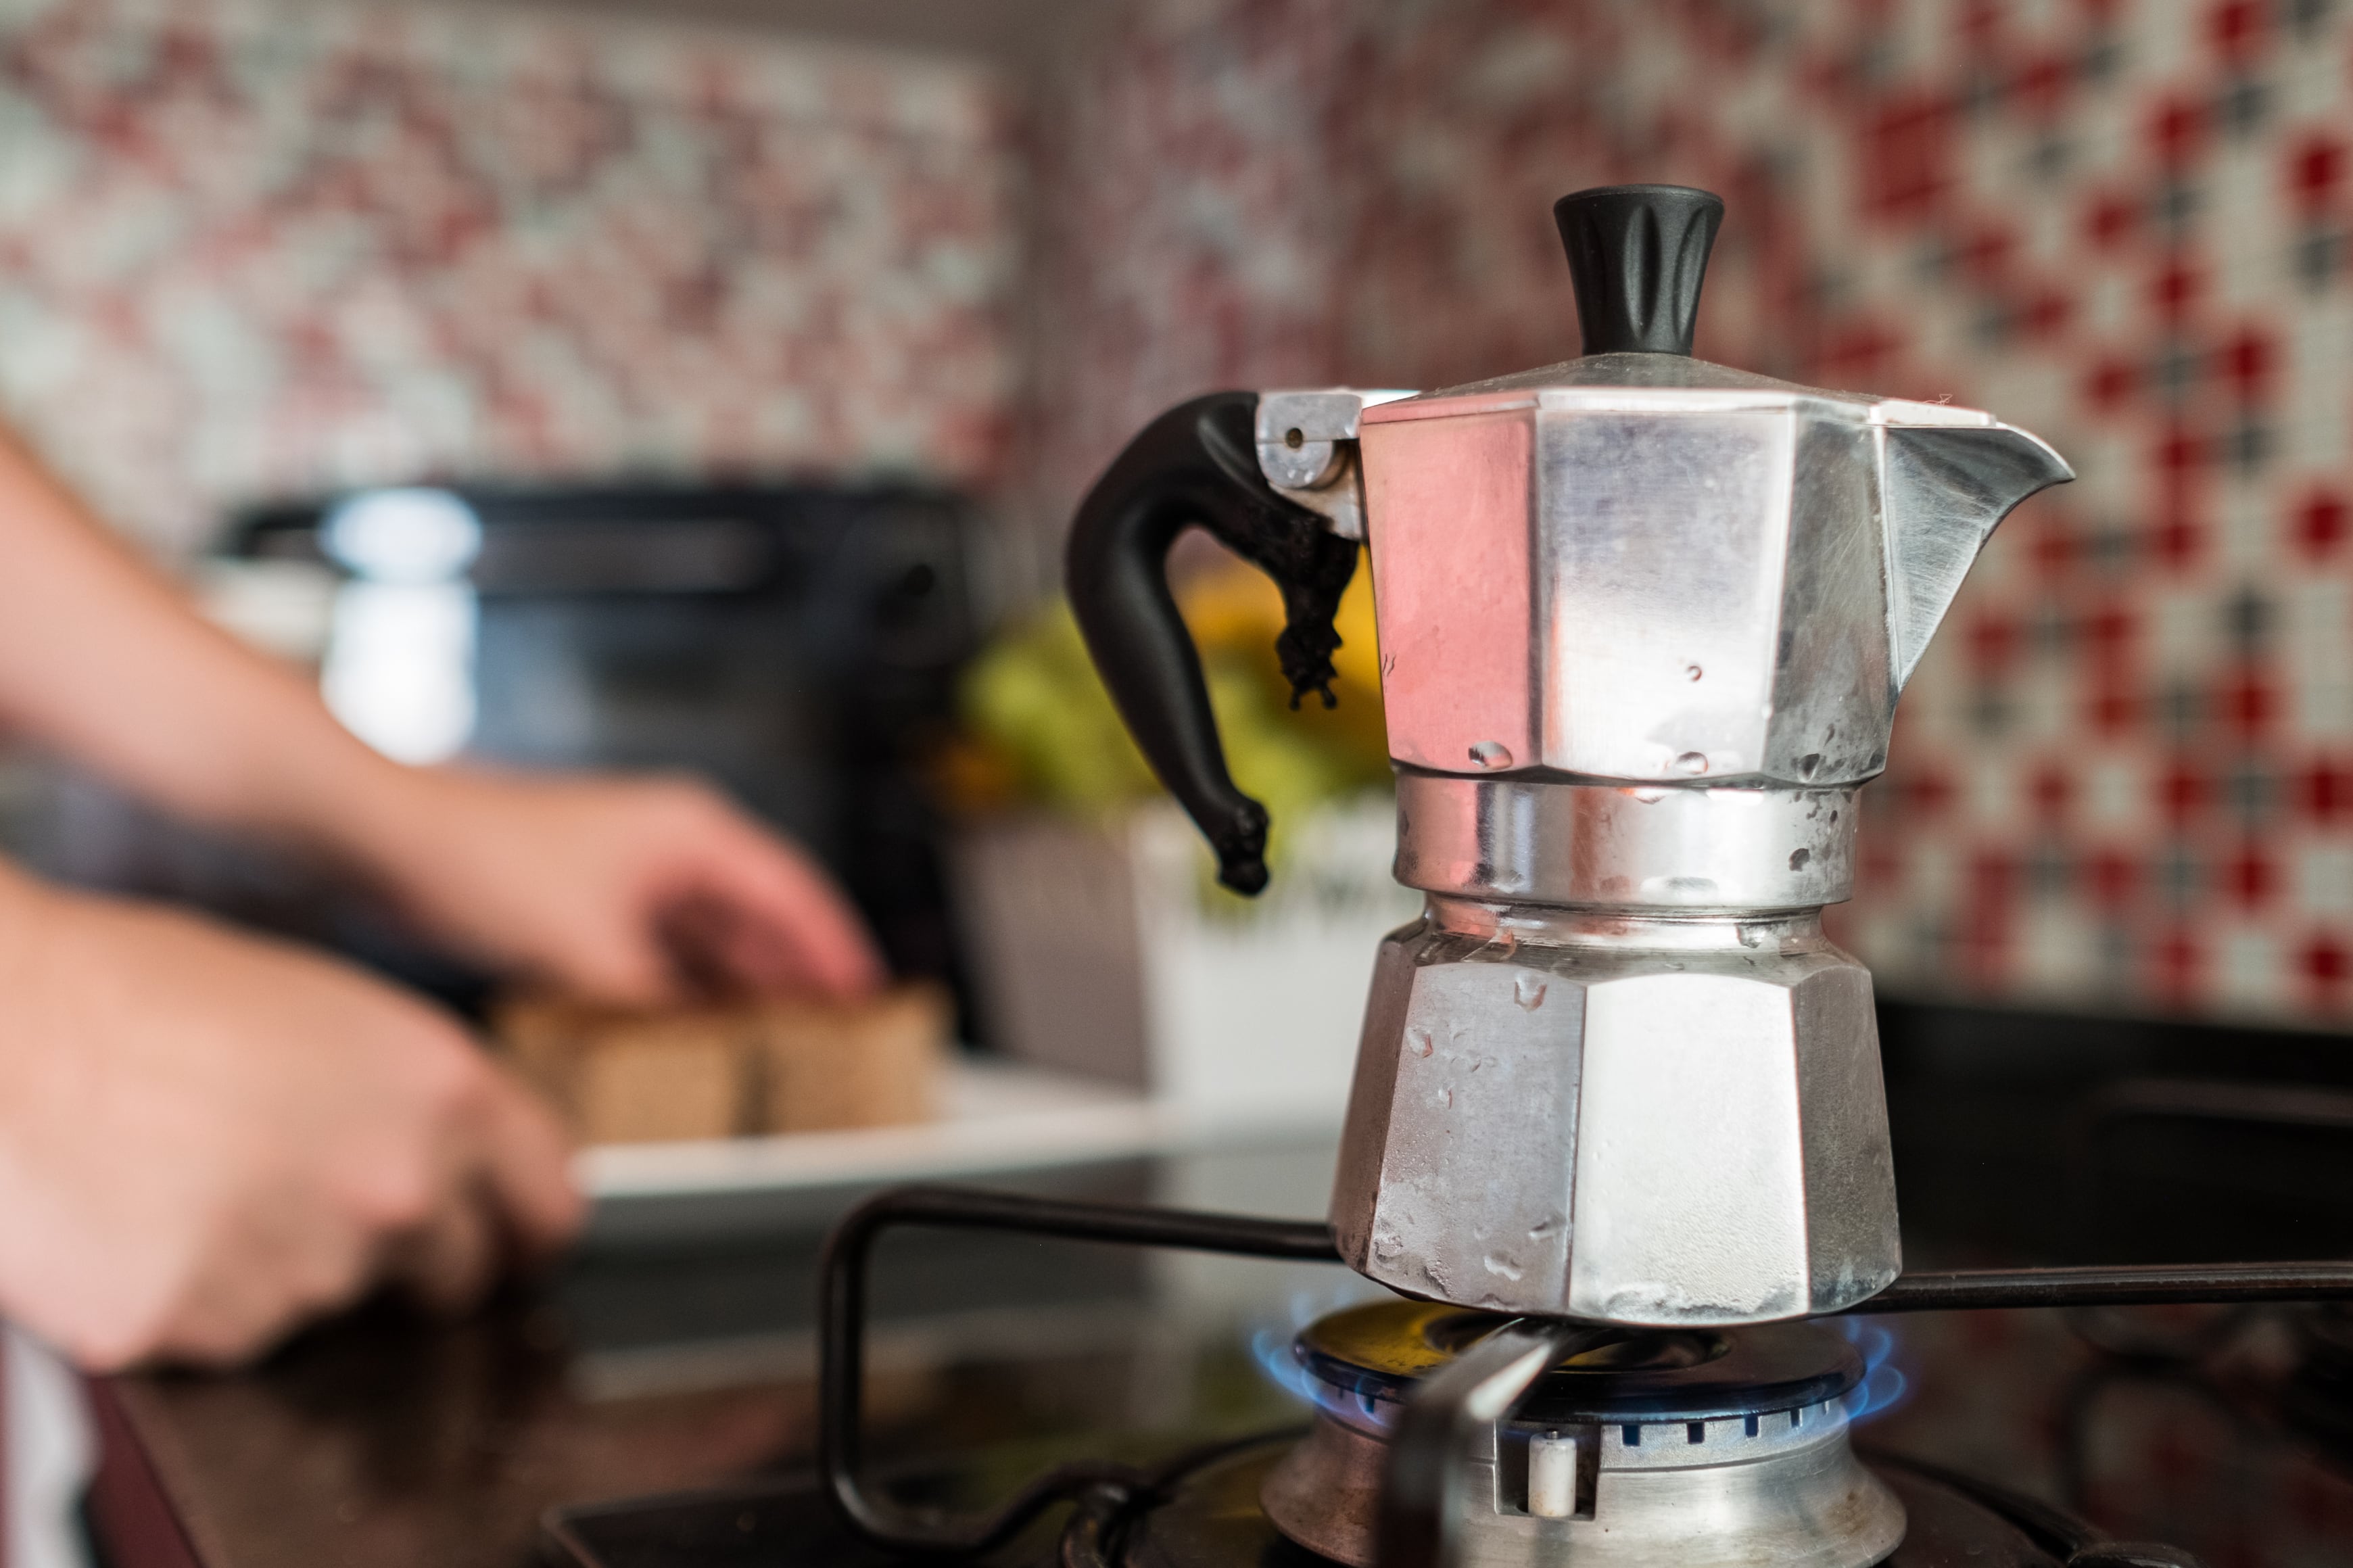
[[1651, 1447], [1377, 1354], [1209, 1521]]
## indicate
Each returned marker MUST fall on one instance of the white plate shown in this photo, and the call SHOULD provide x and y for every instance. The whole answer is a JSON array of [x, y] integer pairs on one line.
[[995, 1116]]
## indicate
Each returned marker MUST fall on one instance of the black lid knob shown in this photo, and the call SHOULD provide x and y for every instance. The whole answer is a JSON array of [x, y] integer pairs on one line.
[[1637, 255]]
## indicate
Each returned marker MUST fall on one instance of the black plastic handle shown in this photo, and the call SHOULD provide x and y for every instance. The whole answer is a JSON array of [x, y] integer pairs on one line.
[[1197, 466]]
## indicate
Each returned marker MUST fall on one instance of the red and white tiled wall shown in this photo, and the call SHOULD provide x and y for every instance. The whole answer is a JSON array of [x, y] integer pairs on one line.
[[2123, 778], [259, 248], [255, 247]]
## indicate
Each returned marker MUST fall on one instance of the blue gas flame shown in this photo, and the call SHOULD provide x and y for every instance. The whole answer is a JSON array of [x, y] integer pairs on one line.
[[1270, 1346], [1883, 1384]]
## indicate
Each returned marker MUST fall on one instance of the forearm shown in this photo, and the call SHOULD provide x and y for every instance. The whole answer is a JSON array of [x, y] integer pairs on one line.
[[103, 660]]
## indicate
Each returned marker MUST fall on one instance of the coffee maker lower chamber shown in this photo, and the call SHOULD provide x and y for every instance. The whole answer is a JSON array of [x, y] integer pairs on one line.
[[1616, 1071]]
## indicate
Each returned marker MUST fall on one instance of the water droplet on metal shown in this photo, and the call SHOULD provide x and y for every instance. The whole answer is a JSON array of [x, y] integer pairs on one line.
[[1809, 762], [1492, 755], [1798, 858], [1690, 763], [1504, 1267], [1542, 1227], [1528, 992], [1446, 1097], [1691, 673], [1388, 664], [1419, 1038]]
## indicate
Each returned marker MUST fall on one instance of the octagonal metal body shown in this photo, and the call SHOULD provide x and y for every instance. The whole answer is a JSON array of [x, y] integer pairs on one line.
[[1645, 567], [1636, 1120]]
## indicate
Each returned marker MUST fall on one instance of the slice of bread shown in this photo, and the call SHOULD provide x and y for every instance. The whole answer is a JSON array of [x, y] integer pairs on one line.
[[623, 1076]]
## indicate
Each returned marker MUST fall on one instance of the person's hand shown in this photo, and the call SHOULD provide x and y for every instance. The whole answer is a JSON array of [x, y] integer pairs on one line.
[[636, 892], [204, 1137]]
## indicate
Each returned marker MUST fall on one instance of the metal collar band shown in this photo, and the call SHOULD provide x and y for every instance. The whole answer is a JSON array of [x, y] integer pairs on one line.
[[1635, 848]]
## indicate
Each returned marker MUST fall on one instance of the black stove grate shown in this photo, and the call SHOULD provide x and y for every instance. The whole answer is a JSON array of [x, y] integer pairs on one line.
[[1416, 1511]]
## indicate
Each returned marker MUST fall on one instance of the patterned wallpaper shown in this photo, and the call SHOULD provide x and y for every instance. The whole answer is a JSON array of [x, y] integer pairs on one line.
[[2123, 778], [253, 248]]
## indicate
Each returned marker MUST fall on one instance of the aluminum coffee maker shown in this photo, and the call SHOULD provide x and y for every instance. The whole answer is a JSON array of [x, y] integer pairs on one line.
[[1643, 620]]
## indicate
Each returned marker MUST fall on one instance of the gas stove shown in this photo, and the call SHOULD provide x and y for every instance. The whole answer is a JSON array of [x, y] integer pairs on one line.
[[1445, 1438]]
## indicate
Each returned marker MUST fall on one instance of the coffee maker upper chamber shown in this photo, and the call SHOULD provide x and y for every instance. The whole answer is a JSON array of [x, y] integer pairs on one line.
[[1643, 621]]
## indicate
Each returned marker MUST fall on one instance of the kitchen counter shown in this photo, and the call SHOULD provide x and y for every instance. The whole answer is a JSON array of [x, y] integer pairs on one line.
[[382, 1440]]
